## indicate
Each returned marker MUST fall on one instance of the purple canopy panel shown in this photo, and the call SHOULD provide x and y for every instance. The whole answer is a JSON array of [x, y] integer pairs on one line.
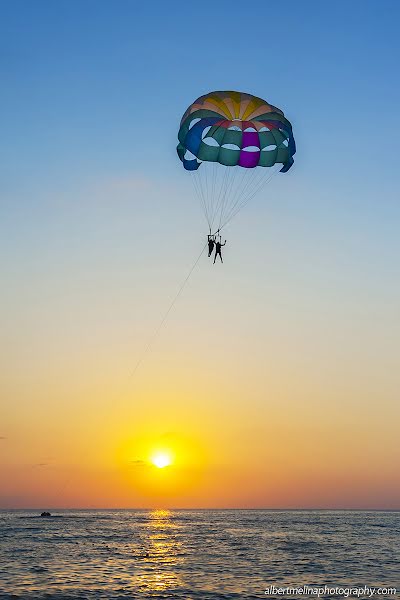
[[249, 159]]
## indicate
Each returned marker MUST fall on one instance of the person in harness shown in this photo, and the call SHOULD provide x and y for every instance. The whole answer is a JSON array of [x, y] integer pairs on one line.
[[218, 246], [211, 243]]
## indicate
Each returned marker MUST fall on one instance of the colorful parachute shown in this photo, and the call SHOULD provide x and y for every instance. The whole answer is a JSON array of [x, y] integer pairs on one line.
[[221, 130]]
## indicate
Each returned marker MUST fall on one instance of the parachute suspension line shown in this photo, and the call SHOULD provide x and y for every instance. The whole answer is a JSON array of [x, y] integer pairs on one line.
[[208, 179], [157, 331], [238, 187], [211, 185], [246, 181], [263, 181], [251, 181], [197, 184], [226, 187], [207, 192], [222, 187], [228, 190], [198, 193], [214, 180], [256, 187], [250, 196], [224, 191], [203, 186]]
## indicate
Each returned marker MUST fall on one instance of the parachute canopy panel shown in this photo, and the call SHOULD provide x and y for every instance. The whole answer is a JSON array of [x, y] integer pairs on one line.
[[235, 129]]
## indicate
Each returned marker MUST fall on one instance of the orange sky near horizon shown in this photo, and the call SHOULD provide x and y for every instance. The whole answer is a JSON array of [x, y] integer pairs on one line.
[[269, 426], [274, 386]]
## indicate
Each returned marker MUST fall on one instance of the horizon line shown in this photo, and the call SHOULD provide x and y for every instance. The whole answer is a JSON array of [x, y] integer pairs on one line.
[[147, 509]]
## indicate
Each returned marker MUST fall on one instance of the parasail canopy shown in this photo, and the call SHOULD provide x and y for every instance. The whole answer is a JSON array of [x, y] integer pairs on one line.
[[233, 129]]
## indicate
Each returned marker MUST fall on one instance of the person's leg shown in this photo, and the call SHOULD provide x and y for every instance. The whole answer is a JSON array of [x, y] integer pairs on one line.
[[215, 258]]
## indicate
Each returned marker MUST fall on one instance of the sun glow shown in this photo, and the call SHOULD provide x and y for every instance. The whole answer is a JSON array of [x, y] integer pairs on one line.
[[161, 460]]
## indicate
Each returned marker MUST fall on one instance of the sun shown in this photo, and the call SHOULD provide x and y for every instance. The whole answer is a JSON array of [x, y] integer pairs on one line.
[[161, 460]]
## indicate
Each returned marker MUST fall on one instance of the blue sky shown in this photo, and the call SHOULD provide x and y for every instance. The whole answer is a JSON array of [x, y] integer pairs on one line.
[[99, 224], [80, 78], [94, 91]]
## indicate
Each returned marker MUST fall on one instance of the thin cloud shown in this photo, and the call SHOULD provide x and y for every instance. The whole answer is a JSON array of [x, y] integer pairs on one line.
[[139, 463]]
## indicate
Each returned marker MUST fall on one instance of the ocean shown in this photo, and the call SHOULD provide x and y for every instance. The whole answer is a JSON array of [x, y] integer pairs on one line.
[[197, 554]]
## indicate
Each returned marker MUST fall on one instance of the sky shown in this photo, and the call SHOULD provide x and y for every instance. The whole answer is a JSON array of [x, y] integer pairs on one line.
[[274, 381]]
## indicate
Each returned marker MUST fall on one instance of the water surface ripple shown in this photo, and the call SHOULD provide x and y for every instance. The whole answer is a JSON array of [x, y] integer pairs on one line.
[[193, 555]]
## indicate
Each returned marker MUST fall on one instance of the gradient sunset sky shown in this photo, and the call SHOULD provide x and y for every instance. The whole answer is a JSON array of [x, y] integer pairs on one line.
[[275, 381]]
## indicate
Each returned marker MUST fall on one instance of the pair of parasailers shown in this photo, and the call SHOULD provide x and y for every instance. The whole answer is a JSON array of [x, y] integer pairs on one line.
[[214, 240]]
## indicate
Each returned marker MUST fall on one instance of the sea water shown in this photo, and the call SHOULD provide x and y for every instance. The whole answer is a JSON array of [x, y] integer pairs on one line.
[[194, 555]]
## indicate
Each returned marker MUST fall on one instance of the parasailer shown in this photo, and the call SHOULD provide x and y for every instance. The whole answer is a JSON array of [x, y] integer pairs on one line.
[[211, 243], [240, 141], [218, 246]]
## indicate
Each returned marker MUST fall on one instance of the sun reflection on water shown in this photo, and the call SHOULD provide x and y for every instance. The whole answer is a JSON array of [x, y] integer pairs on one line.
[[163, 554]]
